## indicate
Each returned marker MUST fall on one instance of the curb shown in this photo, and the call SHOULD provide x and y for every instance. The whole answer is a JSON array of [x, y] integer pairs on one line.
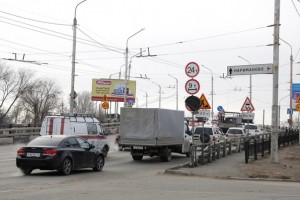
[[176, 171]]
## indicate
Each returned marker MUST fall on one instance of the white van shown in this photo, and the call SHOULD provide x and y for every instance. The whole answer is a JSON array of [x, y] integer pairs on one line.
[[83, 125]]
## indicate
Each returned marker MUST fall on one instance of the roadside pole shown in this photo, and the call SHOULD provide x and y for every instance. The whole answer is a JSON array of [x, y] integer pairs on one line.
[[274, 126]]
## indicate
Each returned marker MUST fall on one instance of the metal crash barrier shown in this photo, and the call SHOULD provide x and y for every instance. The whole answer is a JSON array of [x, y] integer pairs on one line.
[[26, 134], [259, 146]]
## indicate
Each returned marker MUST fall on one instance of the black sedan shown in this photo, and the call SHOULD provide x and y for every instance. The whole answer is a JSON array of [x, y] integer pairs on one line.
[[59, 152]]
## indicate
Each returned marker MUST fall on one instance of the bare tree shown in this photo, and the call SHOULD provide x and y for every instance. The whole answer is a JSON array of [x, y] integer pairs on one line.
[[84, 103], [12, 86], [16, 113], [41, 99]]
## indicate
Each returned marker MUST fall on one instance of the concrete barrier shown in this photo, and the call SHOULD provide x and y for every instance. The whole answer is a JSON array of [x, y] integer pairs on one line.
[[6, 141]]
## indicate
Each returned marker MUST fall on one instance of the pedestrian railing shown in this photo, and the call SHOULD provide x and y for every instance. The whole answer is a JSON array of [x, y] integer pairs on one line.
[[209, 152], [259, 146]]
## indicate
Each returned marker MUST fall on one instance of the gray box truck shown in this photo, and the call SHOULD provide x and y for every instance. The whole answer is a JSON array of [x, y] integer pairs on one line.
[[154, 132]]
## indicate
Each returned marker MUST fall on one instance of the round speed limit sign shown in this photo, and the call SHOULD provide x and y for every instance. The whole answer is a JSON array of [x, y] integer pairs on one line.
[[192, 69], [192, 86]]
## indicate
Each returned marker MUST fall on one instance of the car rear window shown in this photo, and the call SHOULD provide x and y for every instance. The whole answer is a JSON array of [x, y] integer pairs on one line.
[[200, 130], [235, 131], [251, 127], [45, 141]]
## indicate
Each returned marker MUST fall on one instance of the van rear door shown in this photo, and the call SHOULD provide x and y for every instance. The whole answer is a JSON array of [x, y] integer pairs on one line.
[[56, 126]]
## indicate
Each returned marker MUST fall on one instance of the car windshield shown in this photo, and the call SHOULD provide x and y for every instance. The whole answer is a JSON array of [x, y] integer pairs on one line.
[[234, 131], [251, 127], [200, 130], [45, 141]]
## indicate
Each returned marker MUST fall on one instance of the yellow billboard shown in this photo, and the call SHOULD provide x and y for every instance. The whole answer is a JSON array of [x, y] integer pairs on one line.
[[113, 89]]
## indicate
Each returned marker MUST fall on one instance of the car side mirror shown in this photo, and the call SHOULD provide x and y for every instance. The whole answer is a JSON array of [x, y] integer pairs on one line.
[[92, 146]]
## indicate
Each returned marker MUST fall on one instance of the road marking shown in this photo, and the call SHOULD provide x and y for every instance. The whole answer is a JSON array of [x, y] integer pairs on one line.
[[7, 160]]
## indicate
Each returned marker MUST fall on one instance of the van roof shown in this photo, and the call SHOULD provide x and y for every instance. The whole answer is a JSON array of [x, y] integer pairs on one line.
[[76, 118]]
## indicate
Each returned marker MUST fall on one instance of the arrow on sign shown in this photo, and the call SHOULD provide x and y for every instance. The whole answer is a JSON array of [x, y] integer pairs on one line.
[[230, 71]]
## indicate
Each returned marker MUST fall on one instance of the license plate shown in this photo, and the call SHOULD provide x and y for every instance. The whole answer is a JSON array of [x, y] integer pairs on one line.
[[137, 147], [33, 154]]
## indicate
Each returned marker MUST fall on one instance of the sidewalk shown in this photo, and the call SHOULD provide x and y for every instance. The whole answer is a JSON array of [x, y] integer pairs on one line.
[[221, 168]]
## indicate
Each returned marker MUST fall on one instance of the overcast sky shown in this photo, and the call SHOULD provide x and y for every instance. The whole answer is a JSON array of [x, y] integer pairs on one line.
[[209, 32]]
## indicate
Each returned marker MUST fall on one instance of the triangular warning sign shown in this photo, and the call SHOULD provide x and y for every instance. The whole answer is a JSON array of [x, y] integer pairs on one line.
[[247, 106], [204, 103]]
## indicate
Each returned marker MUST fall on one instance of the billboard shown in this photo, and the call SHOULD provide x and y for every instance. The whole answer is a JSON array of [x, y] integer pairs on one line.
[[295, 94], [113, 89]]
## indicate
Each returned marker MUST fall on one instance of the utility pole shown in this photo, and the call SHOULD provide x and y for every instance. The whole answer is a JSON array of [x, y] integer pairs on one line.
[[146, 98], [212, 91], [176, 90], [73, 94], [274, 126], [250, 77], [291, 84], [126, 68]]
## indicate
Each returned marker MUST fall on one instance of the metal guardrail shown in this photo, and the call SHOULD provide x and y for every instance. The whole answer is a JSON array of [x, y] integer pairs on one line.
[[208, 152], [24, 134], [255, 147], [14, 132]]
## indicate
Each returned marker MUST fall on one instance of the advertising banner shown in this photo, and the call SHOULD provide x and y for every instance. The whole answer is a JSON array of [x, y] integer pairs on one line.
[[113, 89], [295, 95]]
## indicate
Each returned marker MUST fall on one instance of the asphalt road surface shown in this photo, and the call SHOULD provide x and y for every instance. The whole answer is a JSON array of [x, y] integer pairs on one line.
[[125, 179]]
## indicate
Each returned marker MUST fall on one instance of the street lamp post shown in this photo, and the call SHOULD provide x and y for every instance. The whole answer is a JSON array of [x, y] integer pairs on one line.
[[126, 67], [176, 90], [146, 98], [113, 74], [212, 91], [291, 83], [279, 107], [250, 77], [159, 99], [129, 70], [73, 61]]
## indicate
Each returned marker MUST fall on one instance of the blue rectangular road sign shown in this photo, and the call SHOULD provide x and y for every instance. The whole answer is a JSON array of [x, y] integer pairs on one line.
[[295, 90], [288, 111]]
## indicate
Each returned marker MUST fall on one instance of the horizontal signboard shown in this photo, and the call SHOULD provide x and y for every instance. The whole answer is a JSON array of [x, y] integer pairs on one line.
[[248, 115], [249, 69], [113, 89]]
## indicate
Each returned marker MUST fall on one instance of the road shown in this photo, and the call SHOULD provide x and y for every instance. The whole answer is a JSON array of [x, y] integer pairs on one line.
[[123, 178]]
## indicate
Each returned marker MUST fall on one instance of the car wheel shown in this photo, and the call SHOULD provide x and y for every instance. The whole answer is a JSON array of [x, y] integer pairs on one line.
[[137, 157], [166, 155], [99, 164], [26, 170], [105, 151], [66, 166]]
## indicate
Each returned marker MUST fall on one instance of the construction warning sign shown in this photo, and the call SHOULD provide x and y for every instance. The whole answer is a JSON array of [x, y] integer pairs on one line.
[[247, 106], [204, 103]]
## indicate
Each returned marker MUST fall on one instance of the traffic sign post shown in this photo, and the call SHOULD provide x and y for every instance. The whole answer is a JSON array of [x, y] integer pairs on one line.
[[204, 103], [192, 69], [192, 86], [247, 106], [250, 69], [105, 105], [192, 103]]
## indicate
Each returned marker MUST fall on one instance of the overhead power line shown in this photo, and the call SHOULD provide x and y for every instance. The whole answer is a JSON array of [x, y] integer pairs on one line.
[[296, 8], [209, 37], [34, 20]]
